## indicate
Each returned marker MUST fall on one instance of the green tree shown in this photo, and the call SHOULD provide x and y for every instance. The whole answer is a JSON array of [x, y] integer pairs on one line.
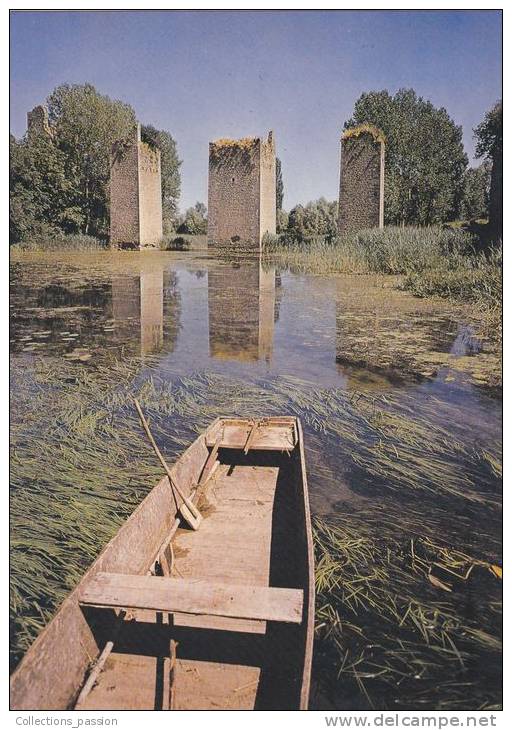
[[425, 158], [41, 198], [281, 221], [279, 185], [489, 136], [316, 219], [477, 183], [195, 221], [75, 162], [171, 178], [85, 125]]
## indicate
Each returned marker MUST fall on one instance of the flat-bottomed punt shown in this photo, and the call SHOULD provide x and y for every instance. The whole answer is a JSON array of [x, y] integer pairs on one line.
[[170, 618]]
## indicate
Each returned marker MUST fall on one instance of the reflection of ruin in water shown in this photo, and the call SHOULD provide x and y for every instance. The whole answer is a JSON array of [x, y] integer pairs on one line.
[[140, 299], [241, 311]]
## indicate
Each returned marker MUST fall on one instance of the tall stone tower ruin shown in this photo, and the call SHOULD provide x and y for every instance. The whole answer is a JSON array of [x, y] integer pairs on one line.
[[361, 202], [241, 191], [37, 121], [135, 193]]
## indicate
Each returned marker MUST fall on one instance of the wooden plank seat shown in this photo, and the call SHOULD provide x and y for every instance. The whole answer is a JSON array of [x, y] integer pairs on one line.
[[194, 596], [266, 434]]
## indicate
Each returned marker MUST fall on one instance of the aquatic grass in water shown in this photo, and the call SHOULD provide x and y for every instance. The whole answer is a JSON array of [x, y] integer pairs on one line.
[[80, 464], [393, 619]]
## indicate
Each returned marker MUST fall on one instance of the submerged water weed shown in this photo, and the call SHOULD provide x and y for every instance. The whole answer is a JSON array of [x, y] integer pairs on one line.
[[80, 463], [405, 619]]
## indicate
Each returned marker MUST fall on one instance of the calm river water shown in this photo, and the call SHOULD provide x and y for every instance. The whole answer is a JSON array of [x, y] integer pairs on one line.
[[183, 314]]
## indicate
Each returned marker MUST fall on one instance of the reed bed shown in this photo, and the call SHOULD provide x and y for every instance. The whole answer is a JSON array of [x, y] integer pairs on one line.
[[63, 243], [389, 250], [423, 490]]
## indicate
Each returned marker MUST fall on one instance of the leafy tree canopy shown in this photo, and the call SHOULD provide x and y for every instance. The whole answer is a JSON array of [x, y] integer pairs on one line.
[[194, 221], [489, 133], [85, 125], [489, 136], [42, 199], [318, 218], [477, 183]]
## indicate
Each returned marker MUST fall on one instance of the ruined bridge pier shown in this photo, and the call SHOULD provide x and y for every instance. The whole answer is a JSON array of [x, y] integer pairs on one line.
[[241, 191]]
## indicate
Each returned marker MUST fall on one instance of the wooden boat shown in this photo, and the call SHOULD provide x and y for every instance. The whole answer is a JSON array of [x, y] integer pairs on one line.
[[172, 618]]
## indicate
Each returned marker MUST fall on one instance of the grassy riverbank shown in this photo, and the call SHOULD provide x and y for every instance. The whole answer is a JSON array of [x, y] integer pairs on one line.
[[80, 463]]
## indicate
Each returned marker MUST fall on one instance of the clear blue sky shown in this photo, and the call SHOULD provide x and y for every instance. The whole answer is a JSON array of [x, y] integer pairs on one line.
[[204, 75]]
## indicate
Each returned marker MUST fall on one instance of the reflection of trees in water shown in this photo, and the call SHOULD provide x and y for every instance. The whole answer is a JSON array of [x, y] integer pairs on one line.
[[138, 313], [56, 295], [49, 314]]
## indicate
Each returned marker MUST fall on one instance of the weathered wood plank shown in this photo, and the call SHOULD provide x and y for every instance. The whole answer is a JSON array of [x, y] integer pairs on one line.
[[235, 544], [193, 596], [269, 434], [201, 685]]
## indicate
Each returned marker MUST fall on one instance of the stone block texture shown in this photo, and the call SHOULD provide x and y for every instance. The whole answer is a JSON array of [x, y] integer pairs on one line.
[[135, 194], [37, 121], [361, 201], [241, 191]]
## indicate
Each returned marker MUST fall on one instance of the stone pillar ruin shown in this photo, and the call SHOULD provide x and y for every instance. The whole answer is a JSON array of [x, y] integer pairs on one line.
[[361, 201], [241, 191], [135, 194], [37, 121]]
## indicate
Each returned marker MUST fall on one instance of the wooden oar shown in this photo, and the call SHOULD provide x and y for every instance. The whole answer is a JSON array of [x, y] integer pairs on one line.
[[188, 510]]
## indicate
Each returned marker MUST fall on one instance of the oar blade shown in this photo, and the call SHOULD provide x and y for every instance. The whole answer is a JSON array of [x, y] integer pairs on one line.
[[191, 515]]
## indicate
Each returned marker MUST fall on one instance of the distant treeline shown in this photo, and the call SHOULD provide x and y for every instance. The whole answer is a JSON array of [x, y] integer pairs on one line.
[[59, 181]]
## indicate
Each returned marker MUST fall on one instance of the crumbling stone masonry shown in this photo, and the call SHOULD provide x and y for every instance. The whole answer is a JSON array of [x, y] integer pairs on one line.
[[241, 191], [37, 121], [361, 202], [135, 194]]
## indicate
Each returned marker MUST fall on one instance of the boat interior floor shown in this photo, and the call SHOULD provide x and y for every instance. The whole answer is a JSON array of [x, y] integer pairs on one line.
[[249, 537]]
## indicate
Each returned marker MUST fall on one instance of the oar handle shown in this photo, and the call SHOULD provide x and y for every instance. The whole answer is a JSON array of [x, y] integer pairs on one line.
[[157, 450]]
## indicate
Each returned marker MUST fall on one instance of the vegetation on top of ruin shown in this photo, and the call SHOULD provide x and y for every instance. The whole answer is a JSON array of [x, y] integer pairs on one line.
[[365, 128], [234, 151], [244, 143]]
